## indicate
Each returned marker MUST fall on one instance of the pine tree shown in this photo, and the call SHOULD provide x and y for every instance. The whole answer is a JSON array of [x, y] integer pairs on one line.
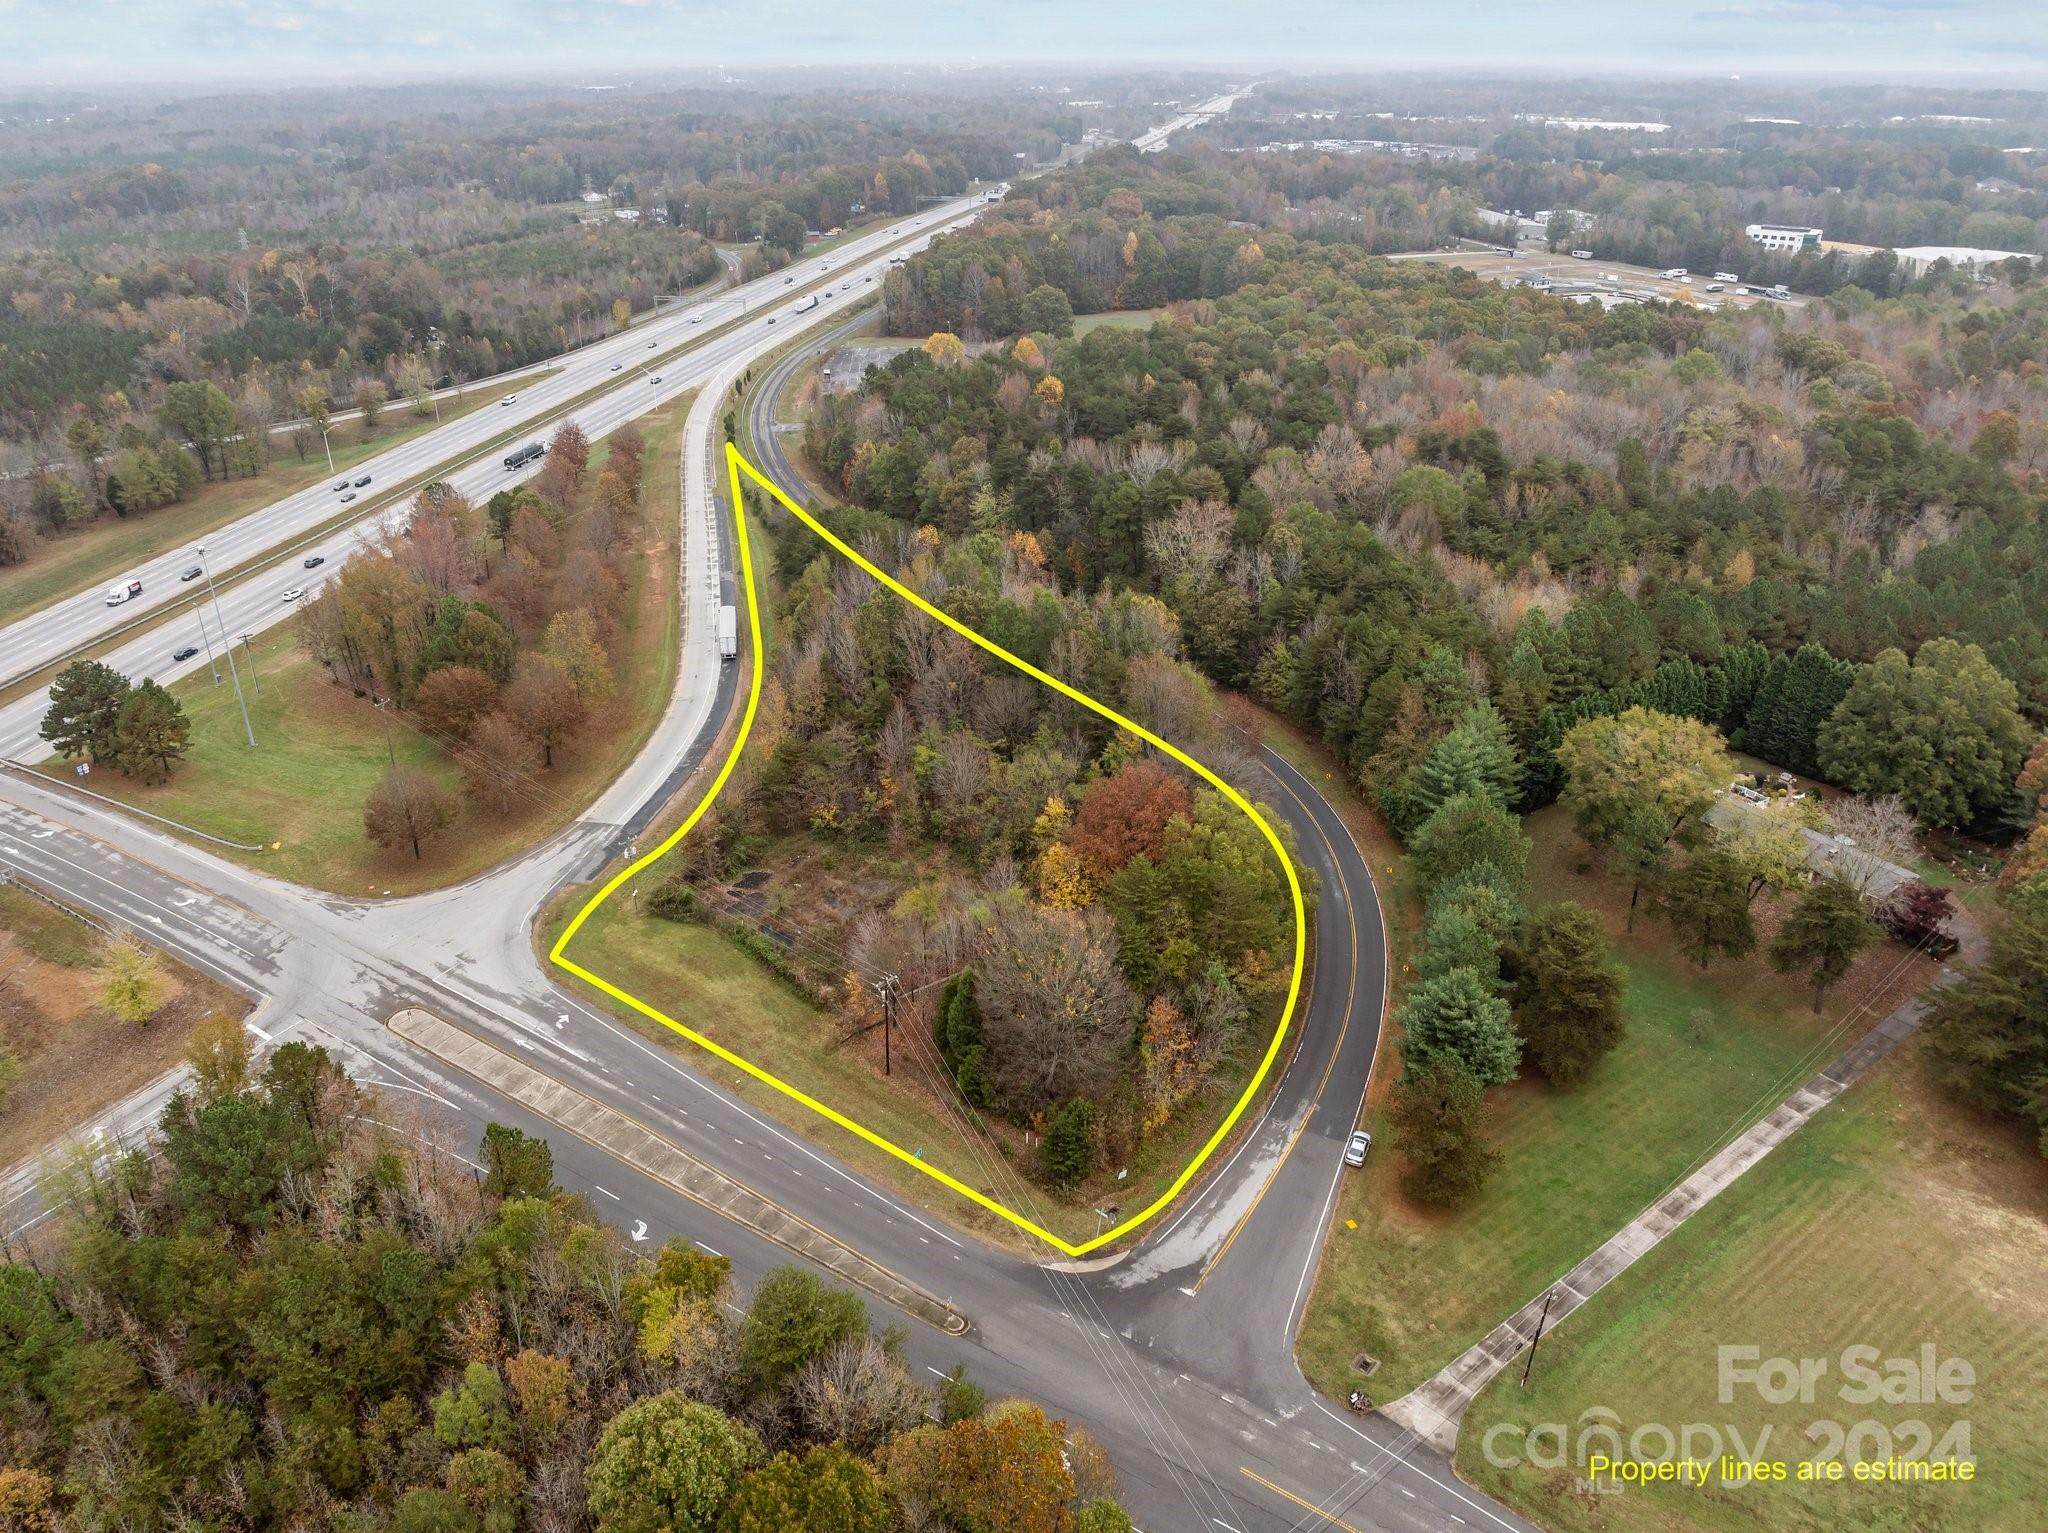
[[1794, 700], [1463, 833], [1568, 996], [85, 707], [1823, 935], [1457, 1013], [1524, 692], [1440, 1119], [1707, 904], [151, 732], [1477, 756]]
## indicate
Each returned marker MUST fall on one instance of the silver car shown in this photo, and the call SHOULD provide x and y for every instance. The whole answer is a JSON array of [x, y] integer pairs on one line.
[[1359, 1147]]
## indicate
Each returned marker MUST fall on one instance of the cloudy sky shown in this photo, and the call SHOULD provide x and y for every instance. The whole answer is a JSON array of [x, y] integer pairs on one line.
[[48, 40]]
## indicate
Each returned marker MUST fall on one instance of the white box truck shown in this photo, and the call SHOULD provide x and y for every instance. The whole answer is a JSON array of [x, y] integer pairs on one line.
[[728, 633]]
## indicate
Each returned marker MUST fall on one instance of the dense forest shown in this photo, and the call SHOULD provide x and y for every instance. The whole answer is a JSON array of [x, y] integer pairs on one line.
[[286, 1315]]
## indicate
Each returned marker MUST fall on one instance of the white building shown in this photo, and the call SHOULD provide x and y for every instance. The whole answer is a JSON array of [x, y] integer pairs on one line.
[[1786, 237], [1915, 259]]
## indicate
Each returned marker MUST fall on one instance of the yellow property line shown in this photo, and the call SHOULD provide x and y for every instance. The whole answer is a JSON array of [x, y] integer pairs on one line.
[[735, 465], [1328, 1519]]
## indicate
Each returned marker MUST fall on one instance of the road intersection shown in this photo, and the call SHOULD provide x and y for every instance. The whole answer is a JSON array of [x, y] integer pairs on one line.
[[1178, 1356]]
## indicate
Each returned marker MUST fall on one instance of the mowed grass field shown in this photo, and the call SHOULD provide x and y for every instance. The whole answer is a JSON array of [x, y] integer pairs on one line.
[[108, 548], [1898, 1218], [320, 749], [1704, 1055]]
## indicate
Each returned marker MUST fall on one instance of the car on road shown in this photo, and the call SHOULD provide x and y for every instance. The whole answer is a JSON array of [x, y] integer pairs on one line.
[[617, 365], [185, 652], [695, 319], [362, 481], [314, 561], [296, 593], [1358, 1148], [341, 484], [655, 379], [192, 572], [351, 495], [786, 281], [652, 344], [508, 400]]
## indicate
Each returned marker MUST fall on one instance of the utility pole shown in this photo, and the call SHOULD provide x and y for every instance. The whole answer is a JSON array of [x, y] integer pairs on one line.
[[885, 987], [327, 449], [1530, 1366], [247, 728], [249, 654]]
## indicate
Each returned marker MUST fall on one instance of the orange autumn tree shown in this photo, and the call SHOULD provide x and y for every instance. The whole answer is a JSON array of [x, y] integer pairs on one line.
[[1126, 814]]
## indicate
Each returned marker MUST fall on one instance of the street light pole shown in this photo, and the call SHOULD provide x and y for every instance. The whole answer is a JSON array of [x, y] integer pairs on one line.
[[327, 449], [206, 638], [247, 728], [249, 654]]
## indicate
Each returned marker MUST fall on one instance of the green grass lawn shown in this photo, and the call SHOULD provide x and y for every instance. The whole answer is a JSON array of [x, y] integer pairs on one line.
[[1120, 319], [107, 548], [1705, 1054], [320, 749], [1897, 1218]]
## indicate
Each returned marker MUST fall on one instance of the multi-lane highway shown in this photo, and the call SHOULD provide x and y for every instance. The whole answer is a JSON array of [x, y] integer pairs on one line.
[[636, 369], [722, 338], [1178, 1355]]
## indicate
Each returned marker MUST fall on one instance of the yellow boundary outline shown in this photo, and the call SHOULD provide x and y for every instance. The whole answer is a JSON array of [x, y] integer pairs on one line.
[[735, 463]]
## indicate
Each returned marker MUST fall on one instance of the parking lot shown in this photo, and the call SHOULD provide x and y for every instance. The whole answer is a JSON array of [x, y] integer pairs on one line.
[[1638, 282]]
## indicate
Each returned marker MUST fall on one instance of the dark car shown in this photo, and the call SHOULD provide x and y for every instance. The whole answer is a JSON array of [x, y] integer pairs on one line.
[[314, 561], [362, 481], [193, 573], [186, 653]]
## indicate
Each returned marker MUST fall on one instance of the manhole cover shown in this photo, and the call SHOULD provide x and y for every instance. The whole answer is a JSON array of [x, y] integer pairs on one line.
[[1365, 1365]]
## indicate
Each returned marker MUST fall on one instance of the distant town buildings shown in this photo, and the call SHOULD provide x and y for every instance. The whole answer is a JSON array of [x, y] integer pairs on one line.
[[1790, 238]]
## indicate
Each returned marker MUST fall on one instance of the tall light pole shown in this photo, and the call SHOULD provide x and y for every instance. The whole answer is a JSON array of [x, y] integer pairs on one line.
[[327, 449], [247, 728], [249, 654], [207, 639]]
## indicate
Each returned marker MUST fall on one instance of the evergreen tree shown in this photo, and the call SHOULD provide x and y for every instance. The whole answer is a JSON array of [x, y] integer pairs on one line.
[[519, 1165], [1457, 1013], [1440, 1119], [151, 732], [1823, 935], [1463, 833], [1069, 1147], [1707, 904], [1793, 701], [1988, 1033], [1524, 692], [957, 1026], [1568, 993], [1476, 757], [84, 711], [1742, 671]]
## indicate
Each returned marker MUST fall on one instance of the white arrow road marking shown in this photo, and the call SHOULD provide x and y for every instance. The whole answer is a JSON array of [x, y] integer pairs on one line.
[[639, 1230]]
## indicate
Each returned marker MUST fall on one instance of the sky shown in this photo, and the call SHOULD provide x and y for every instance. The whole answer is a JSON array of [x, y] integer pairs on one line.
[[72, 41]]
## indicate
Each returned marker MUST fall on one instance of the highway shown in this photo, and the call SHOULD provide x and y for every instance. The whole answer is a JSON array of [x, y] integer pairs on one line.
[[185, 616], [623, 365], [1177, 1355]]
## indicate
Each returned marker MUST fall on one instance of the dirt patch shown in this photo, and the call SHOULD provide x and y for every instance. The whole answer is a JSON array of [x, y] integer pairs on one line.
[[75, 1059]]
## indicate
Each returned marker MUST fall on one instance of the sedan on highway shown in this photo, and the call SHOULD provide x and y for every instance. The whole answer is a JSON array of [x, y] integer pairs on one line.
[[314, 561], [185, 653], [351, 495], [509, 399], [1359, 1147], [655, 379], [193, 573], [362, 481], [617, 365], [651, 344], [296, 593], [341, 484]]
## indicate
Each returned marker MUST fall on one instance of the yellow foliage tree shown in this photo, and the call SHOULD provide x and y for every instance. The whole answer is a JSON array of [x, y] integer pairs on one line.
[[1063, 880], [945, 348], [1026, 351], [1050, 390], [1169, 1065]]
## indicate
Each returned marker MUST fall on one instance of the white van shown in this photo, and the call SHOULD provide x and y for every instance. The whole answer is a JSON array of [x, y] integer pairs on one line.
[[1582, 255], [122, 591], [1726, 276], [1675, 274]]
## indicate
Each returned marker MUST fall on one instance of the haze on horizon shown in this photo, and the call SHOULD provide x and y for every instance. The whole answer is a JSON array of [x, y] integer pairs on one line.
[[250, 41]]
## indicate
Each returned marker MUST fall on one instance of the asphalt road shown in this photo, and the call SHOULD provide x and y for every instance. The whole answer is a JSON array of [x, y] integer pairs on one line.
[[1178, 1356], [185, 614], [55, 631]]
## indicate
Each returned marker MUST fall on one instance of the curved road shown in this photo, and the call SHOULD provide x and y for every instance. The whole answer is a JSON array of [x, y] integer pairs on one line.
[[1179, 1356]]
